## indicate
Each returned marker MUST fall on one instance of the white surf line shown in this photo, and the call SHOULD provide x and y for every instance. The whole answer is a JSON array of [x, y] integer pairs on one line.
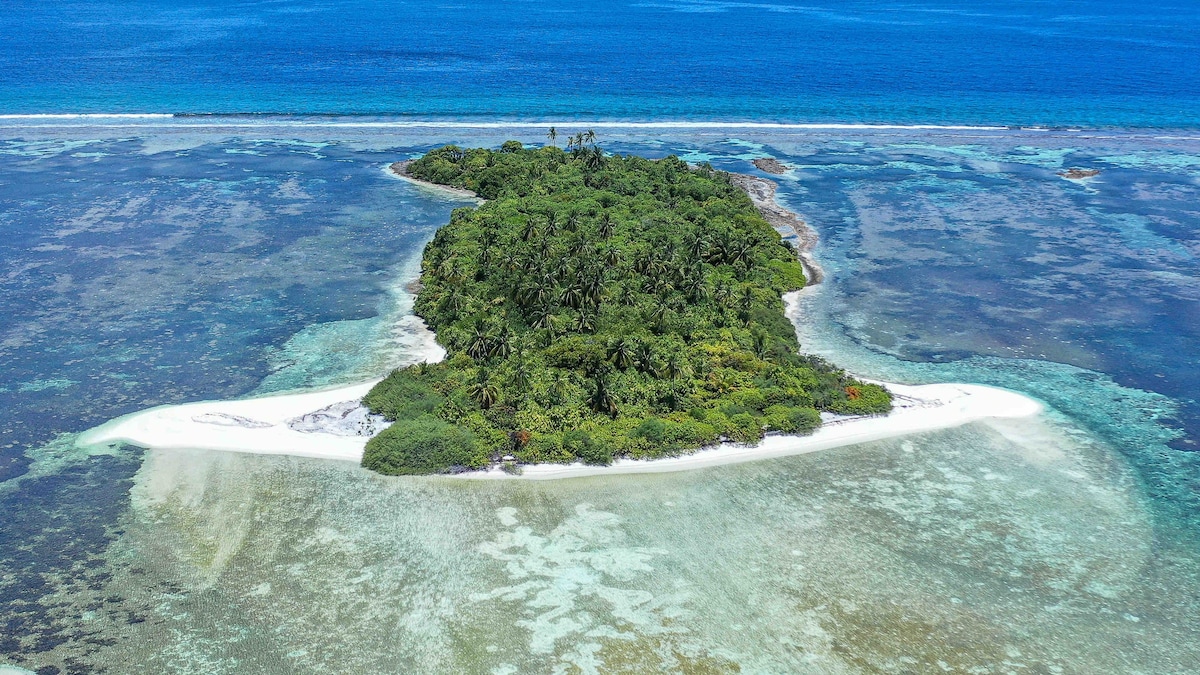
[[261, 426]]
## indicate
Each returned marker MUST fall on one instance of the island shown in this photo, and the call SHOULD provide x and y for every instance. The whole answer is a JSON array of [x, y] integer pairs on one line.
[[597, 307], [669, 355]]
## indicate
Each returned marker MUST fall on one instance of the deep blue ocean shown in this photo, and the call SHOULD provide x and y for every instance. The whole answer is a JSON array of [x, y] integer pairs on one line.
[[1101, 63], [193, 206]]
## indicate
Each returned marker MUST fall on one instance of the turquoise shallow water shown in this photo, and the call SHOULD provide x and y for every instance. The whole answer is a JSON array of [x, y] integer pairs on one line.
[[278, 256]]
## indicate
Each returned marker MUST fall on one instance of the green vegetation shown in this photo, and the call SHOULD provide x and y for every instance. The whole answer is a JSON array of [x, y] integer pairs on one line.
[[597, 307]]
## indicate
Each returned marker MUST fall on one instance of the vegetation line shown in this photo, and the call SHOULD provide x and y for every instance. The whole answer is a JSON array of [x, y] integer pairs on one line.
[[597, 306]]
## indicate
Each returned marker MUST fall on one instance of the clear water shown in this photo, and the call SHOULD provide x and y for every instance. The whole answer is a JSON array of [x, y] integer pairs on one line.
[[197, 263], [245, 239]]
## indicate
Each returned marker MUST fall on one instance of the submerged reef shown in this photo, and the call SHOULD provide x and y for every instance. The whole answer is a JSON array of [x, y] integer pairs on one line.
[[597, 307]]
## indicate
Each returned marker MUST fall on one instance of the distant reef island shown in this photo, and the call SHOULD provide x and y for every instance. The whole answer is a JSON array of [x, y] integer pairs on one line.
[[597, 307]]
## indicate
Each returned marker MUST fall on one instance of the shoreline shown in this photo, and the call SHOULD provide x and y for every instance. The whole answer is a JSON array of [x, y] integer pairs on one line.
[[332, 424], [762, 192], [400, 170], [268, 425]]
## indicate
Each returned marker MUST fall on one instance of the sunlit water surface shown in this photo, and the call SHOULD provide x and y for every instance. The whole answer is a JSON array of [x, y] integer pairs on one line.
[[207, 263]]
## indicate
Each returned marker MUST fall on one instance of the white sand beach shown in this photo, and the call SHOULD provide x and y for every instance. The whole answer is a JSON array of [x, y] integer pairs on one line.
[[273, 425]]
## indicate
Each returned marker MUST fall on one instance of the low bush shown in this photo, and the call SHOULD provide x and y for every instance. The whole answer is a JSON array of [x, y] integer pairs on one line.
[[422, 446]]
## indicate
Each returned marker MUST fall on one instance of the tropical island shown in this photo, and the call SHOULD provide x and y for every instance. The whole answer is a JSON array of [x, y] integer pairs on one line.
[[597, 307], [592, 309]]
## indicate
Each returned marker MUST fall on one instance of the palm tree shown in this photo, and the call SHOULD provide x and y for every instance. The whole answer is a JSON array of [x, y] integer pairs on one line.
[[607, 226], [593, 158], [534, 293], [482, 391], [572, 296], [695, 287], [501, 343], [627, 295], [529, 230], [552, 135], [589, 136], [621, 351], [586, 322], [479, 345], [601, 400], [542, 317], [723, 294], [559, 386], [659, 316], [645, 358], [451, 270], [761, 345], [676, 367]]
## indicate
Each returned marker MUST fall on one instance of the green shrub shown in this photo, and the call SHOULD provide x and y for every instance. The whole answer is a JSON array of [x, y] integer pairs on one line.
[[589, 450], [422, 446], [402, 395], [544, 449], [791, 419], [746, 428], [863, 399]]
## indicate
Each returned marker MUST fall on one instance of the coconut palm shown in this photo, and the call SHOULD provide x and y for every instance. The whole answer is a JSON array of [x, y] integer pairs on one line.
[[479, 344], [644, 355], [586, 321], [529, 230], [676, 367], [482, 391], [761, 345], [601, 400], [593, 158], [621, 351], [541, 317], [451, 270], [572, 296], [552, 135], [607, 225]]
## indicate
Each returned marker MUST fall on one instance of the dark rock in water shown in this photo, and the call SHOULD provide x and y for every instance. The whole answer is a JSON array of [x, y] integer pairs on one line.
[[1076, 174], [770, 165], [348, 418]]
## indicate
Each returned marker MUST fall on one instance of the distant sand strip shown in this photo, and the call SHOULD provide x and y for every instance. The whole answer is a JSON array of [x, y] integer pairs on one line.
[[400, 170]]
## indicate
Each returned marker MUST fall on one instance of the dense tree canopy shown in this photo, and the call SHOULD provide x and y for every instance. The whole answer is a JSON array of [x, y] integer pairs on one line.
[[600, 306]]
